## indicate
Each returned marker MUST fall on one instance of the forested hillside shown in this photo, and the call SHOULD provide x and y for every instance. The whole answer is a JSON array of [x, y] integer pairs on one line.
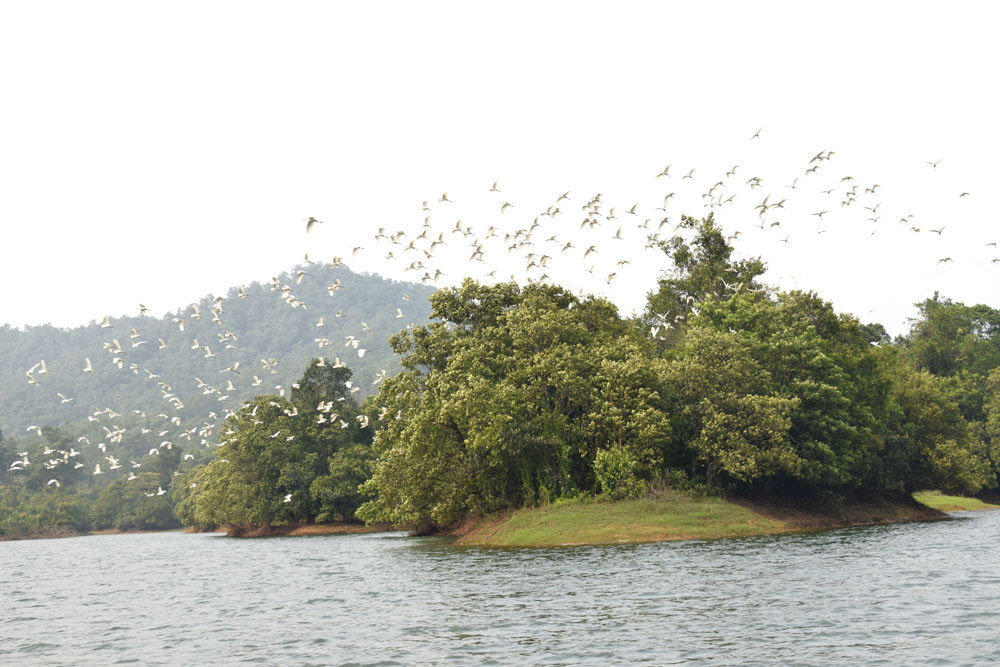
[[176, 365]]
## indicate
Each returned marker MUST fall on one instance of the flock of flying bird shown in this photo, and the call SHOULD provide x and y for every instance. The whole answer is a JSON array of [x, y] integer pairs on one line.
[[173, 427], [554, 242], [570, 232]]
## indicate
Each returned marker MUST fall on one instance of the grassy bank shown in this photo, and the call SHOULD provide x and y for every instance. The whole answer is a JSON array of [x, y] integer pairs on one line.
[[675, 516], [940, 501]]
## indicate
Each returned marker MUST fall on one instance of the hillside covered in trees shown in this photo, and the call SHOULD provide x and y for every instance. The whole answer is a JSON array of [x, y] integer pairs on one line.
[[269, 329]]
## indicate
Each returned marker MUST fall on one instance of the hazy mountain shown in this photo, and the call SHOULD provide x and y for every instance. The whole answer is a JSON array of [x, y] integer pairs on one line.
[[272, 321]]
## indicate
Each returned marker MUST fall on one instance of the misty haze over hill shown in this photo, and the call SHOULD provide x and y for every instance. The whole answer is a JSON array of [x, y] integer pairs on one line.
[[271, 322]]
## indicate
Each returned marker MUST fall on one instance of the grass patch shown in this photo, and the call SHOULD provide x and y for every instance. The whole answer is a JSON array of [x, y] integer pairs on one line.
[[672, 516], [939, 501], [677, 516]]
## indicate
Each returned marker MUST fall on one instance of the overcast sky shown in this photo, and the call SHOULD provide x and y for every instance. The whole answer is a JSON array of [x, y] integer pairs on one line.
[[157, 152]]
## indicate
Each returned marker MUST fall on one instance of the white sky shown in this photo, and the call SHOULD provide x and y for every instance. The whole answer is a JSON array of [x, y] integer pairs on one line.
[[156, 152]]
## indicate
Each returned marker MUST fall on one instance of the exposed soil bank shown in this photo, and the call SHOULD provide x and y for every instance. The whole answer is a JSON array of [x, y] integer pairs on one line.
[[674, 516], [115, 531], [292, 530]]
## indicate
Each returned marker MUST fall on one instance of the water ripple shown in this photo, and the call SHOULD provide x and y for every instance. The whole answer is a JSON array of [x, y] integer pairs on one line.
[[916, 594]]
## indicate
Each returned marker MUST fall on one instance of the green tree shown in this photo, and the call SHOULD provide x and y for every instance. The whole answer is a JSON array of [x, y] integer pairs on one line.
[[990, 432], [322, 383], [505, 402], [267, 470], [960, 343], [701, 267], [731, 425], [137, 504], [257, 467], [184, 495], [164, 463], [337, 496], [949, 337], [927, 444], [822, 361]]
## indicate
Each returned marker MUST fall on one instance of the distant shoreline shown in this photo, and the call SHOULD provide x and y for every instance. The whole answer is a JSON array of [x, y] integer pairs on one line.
[[290, 530], [59, 534]]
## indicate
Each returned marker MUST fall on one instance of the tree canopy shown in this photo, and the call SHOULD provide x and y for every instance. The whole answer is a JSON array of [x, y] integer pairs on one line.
[[515, 396], [287, 460], [506, 402]]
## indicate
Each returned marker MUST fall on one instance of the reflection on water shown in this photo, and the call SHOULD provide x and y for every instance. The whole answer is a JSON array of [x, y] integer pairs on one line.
[[901, 594]]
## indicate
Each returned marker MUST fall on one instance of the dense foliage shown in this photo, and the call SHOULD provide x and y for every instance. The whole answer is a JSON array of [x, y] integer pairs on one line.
[[58, 492], [507, 401], [517, 396], [281, 461], [288, 461], [512, 396]]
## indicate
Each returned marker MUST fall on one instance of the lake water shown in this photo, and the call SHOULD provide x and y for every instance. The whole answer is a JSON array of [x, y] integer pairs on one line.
[[905, 594]]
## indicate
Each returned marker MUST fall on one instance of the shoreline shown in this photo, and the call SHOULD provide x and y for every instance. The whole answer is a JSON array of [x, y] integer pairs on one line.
[[676, 517], [301, 530], [670, 516], [60, 534], [291, 530]]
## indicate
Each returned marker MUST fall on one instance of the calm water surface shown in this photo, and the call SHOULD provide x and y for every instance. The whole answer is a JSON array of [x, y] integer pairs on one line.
[[904, 594]]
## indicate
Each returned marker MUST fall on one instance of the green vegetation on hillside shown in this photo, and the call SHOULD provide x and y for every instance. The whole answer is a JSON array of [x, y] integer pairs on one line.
[[281, 461], [156, 401], [274, 322]]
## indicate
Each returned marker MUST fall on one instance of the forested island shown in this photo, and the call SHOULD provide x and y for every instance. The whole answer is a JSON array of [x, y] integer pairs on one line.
[[511, 397]]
